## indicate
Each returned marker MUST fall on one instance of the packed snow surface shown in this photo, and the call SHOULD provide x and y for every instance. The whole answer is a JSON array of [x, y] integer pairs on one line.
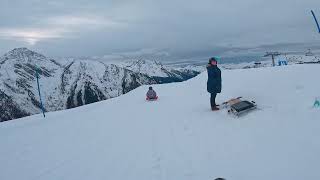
[[176, 137]]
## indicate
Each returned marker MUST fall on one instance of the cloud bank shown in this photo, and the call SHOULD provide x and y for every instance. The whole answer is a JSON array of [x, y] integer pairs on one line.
[[97, 27]]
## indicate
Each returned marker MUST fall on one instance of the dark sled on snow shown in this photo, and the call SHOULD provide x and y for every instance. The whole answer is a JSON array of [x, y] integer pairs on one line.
[[242, 107], [239, 107]]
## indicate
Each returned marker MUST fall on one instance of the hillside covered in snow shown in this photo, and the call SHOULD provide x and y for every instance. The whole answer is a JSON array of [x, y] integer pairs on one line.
[[178, 136], [71, 83]]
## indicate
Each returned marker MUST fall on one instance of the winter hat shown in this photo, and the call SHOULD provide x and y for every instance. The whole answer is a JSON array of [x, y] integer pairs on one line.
[[213, 59], [150, 88]]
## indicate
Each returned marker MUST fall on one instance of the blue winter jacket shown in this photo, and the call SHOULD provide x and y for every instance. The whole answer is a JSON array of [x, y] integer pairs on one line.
[[214, 79]]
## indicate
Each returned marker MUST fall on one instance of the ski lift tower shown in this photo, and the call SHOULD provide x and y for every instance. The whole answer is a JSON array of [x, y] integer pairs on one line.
[[273, 55], [309, 53]]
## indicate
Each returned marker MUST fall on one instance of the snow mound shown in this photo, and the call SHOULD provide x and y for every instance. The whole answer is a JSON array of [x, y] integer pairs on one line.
[[176, 137]]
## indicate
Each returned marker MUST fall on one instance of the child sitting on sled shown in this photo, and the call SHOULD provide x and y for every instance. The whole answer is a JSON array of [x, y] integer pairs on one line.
[[151, 94]]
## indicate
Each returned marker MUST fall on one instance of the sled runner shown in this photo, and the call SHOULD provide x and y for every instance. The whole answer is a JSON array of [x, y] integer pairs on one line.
[[238, 107], [230, 102]]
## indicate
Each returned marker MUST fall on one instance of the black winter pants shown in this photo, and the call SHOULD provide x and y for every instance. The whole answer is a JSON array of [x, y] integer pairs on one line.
[[213, 99]]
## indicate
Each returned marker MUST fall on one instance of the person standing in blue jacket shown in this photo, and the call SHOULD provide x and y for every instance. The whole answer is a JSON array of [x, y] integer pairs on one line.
[[214, 82]]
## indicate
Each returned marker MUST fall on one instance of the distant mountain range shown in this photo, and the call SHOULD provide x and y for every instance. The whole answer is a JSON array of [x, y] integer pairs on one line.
[[71, 83]]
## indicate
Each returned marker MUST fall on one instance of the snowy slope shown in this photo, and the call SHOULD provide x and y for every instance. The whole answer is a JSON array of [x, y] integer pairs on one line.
[[177, 137]]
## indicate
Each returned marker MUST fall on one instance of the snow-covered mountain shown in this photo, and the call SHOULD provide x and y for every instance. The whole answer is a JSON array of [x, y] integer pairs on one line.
[[71, 83], [160, 72], [177, 137]]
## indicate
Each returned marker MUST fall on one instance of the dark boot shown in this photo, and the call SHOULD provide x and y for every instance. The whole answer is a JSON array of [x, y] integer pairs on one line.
[[215, 108]]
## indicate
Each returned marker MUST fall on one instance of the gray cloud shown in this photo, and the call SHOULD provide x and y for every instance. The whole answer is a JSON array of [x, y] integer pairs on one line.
[[182, 28]]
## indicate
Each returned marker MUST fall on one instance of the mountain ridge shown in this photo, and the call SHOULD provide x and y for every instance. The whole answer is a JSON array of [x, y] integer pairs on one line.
[[71, 83]]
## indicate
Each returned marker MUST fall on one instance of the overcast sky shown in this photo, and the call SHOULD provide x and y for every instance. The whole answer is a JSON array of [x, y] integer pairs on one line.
[[178, 27]]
